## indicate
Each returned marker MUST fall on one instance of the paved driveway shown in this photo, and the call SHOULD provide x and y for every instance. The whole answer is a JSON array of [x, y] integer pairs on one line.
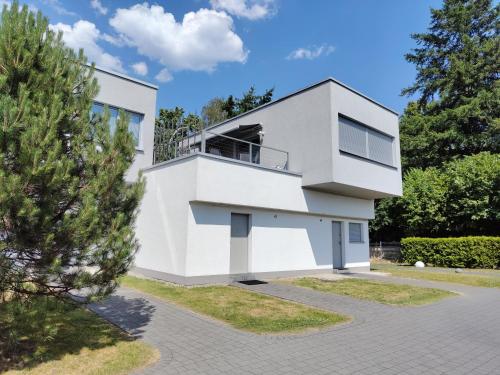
[[459, 335]]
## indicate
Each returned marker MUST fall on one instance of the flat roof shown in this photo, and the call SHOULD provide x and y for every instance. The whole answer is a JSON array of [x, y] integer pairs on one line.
[[329, 79], [125, 77]]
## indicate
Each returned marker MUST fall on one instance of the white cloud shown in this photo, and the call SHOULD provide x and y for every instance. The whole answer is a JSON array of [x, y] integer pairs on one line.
[[202, 40], [140, 68], [311, 53], [164, 76], [58, 8], [251, 9], [84, 34], [97, 5]]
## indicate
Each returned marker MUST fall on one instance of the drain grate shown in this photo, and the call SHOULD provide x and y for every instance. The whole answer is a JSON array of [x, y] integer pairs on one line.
[[252, 282]]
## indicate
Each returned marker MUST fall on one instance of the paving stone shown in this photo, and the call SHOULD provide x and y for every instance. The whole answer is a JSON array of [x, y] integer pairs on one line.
[[456, 335]]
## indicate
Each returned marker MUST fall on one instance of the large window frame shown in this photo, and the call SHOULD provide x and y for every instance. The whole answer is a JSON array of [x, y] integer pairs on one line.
[[360, 140], [138, 144]]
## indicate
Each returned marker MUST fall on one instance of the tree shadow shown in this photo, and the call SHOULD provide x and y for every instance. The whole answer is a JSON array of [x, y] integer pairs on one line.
[[47, 330], [130, 314]]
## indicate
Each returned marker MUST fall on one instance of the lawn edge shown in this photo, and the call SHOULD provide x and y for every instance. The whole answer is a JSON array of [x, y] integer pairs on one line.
[[348, 318]]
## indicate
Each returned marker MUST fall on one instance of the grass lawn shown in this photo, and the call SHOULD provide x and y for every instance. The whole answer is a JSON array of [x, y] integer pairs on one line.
[[388, 293], [74, 341], [439, 274], [240, 308]]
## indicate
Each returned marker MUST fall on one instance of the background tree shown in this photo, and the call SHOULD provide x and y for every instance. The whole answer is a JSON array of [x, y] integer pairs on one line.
[[460, 198], [220, 109], [458, 66], [215, 111], [455, 114], [250, 100], [172, 125], [66, 213]]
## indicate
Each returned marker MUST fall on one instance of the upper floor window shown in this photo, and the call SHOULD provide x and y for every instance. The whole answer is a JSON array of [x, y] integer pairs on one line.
[[135, 120], [360, 140]]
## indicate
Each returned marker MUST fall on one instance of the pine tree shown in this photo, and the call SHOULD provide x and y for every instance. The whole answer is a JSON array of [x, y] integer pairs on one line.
[[66, 213], [458, 65]]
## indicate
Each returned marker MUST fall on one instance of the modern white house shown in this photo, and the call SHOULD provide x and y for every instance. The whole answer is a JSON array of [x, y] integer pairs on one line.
[[285, 189], [138, 100]]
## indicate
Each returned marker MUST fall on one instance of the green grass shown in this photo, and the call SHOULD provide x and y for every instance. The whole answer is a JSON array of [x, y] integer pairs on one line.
[[60, 338], [240, 308], [387, 293], [436, 274]]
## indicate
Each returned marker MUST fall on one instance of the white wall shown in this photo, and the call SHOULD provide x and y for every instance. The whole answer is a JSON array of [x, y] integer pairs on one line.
[[230, 182], [306, 125], [353, 171], [356, 254], [301, 125], [127, 93], [162, 223], [184, 223], [278, 241]]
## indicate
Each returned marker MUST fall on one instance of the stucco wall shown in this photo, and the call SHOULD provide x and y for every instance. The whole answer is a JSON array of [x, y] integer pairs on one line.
[[131, 95], [230, 182], [300, 125], [278, 241], [306, 125], [162, 223], [353, 171], [181, 233]]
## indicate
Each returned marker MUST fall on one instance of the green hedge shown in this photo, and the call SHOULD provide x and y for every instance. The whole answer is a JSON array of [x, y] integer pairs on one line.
[[467, 252]]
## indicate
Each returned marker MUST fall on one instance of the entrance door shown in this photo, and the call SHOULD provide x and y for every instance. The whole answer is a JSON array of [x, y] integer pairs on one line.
[[238, 259], [337, 244]]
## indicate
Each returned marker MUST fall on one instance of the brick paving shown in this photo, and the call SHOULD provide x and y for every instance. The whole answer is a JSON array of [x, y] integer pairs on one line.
[[458, 335]]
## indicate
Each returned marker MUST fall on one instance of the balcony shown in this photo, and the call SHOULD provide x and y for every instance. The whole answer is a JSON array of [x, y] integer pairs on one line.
[[223, 146]]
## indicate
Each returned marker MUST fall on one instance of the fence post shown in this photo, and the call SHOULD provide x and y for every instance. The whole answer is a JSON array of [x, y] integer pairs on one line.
[[203, 141]]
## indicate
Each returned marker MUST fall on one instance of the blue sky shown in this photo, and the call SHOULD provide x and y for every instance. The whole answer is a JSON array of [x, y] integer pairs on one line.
[[199, 49]]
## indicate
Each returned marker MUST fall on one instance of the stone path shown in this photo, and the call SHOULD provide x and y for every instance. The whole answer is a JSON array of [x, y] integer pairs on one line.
[[458, 335]]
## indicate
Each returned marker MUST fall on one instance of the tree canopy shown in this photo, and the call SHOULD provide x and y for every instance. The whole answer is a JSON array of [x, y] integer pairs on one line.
[[220, 109], [450, 132], [66, 212], [172, 125], [460, 198], [457, 108]]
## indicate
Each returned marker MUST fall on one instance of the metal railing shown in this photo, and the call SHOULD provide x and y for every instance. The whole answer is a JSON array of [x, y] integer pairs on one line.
[[221, 145]]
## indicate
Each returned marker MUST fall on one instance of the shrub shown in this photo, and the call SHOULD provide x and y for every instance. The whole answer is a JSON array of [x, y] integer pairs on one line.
[[469, 252], [459, 199]]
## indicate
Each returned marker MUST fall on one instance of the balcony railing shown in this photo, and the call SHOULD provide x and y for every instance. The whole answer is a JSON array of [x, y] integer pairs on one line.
[[221, 145]]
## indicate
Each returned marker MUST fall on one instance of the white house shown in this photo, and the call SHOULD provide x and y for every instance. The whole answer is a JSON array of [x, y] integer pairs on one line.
[[138, 99], [287, 188]]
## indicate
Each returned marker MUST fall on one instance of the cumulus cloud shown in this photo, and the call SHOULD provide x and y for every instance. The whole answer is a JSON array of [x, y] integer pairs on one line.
[[311, 53], [251, 9], [200, 42], [84, 34], [164, 76], [97, 5], [140, 68]]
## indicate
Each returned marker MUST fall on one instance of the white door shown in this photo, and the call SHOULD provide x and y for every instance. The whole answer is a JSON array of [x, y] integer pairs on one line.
[[337, 244], [238, 258]]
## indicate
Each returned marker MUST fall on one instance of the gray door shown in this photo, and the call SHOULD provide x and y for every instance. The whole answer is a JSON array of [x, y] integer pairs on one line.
[[238, 259], [337, 244]]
